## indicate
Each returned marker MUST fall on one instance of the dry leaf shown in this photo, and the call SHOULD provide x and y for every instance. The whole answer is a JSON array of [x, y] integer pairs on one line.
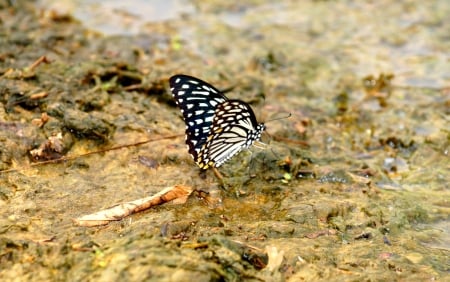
[[177, 195]]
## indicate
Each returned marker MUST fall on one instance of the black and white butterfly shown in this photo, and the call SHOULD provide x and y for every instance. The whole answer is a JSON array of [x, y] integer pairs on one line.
[[216, 128]]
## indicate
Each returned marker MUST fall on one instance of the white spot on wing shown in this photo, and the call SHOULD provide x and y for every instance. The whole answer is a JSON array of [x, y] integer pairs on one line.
[[204, 93], [195, 98]]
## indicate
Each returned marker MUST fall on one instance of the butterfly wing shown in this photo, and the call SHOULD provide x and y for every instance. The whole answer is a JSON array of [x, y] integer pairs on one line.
[[197, 101], [234, 128]]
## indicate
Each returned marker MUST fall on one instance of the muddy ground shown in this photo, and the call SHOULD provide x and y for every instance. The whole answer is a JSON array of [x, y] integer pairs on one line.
[[353, 186]]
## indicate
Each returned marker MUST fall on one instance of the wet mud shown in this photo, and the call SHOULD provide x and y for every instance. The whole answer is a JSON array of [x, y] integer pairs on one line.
[[353, 186]]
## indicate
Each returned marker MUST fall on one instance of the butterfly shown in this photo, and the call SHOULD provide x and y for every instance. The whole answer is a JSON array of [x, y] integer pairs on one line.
[[216, 128]]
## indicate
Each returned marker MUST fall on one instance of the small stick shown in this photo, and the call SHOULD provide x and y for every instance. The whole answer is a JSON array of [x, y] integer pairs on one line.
[[67, 158], [42, 59], [217, 174], [39, 95]]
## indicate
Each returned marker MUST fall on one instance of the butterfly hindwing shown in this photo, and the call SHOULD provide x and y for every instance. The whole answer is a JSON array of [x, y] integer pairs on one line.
[[234, 128], [197, 101]]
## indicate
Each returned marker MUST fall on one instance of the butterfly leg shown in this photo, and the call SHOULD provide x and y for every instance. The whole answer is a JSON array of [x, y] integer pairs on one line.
[[260, 145]]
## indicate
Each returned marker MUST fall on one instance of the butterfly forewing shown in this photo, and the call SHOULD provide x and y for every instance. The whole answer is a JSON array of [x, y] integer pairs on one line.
[[197, 101]]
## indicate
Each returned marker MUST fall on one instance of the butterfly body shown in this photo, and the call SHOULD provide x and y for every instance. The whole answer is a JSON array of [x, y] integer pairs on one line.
[[216, 128]]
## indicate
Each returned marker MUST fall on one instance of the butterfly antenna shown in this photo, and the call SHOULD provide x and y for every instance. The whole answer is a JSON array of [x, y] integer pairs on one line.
[[278, 118]]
